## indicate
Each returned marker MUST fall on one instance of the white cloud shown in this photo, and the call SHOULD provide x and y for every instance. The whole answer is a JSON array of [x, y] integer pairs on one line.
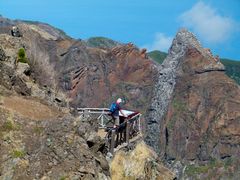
[[207, 23], [161, 42]]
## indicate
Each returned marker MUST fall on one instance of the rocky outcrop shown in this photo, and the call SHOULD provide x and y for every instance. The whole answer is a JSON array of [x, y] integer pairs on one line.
[[48, 148], [95, 77], [139, 163], [193, 116], [2, 55], [101, 42], [90, 76], [21, 77], [192, 107]]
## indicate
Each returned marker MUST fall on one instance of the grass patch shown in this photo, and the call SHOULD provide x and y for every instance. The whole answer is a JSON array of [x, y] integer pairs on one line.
[[8, 126], [1, 99], [63, 178], [229, 162], [18, 154], [38, 130], [178, 105], [192, 170]]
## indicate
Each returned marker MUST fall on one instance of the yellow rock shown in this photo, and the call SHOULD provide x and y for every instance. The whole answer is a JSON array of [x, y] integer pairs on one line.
[[140, 163]]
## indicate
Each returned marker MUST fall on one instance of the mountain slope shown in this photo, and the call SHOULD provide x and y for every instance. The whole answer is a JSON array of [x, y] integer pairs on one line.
[[232, 67], [101, 42], [192, 107], [39, 138], [157, 56], [194, 113]]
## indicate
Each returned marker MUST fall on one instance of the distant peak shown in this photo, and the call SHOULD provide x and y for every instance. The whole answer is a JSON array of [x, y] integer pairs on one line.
[[188, 37], [184, 38]]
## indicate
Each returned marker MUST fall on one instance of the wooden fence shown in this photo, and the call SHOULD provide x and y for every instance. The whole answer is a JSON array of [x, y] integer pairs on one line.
[[121, 135]]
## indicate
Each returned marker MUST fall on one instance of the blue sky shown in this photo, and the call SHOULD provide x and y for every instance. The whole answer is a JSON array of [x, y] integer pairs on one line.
[[150, 23]]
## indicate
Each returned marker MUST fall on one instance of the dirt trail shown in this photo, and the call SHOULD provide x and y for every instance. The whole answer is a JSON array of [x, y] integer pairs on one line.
[[30, 108]]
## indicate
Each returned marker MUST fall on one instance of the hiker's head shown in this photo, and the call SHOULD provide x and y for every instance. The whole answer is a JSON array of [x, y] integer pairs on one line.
[[119, 100]]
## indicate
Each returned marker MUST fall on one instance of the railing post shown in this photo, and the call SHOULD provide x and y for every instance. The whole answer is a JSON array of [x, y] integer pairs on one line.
[[112, 141], [102, 120], [84, 113], [139, 124], [127, 132]]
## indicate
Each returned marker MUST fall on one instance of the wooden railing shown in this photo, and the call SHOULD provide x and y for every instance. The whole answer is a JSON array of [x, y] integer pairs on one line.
[[102, 115], [124, 133], [121, 135]]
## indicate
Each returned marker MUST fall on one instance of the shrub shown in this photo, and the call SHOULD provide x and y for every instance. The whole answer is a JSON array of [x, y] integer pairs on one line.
[[18, 154], [38, 130], [22, 57], [8, 126], [63, 177], [194, 170]]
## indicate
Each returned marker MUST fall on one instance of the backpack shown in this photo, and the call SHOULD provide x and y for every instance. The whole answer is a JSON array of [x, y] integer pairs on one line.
[[113, 107]]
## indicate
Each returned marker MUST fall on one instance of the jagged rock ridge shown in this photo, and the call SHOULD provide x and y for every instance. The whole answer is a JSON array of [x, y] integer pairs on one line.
[[193, 114], [164, 87], [181, 92]]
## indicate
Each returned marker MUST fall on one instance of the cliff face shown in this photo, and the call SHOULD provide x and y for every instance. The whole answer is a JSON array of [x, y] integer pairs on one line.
[[195, 110], [89, 76], [38, 141], [39, 138], [95, 77], [192, 107]]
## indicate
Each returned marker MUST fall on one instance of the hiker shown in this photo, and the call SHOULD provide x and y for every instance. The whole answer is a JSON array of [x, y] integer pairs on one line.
[[114, 110], [15, 32]]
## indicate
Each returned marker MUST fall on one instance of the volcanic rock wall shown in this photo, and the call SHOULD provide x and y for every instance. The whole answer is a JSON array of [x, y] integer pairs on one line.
[[194, 114]]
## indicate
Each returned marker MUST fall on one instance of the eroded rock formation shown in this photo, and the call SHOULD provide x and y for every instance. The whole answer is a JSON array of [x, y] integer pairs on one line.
[[194, 114], [140, 163], [192, 107]]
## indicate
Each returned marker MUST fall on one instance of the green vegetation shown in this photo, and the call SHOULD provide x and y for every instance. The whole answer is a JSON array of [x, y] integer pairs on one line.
[[157, 56], [22, 57], [18, 154], [229, 162], [38, 130], [232, 69], [210, 168], [8, 126], [63, 178], [101, 42], [192, 170]]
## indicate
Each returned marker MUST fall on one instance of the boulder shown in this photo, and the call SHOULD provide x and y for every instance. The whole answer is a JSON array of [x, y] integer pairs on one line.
[[140, 163], [2, 55]]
